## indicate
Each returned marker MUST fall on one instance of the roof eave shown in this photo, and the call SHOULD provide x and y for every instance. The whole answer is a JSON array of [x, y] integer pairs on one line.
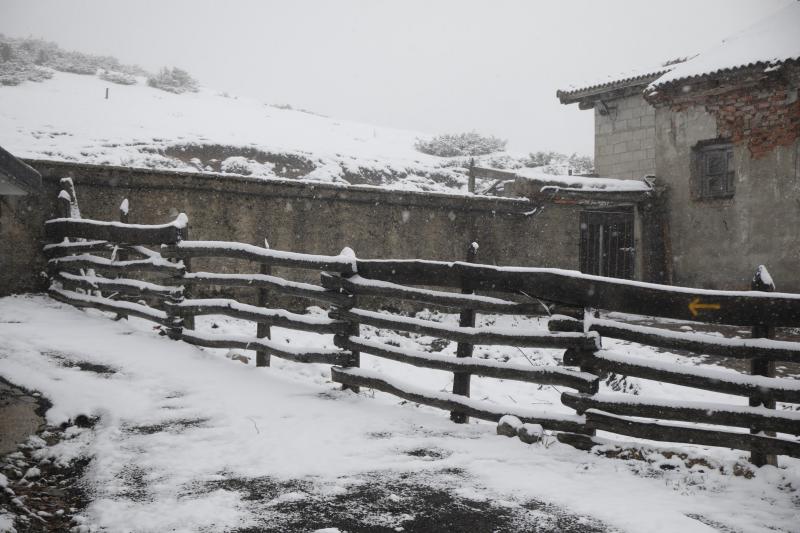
[[587, 97]]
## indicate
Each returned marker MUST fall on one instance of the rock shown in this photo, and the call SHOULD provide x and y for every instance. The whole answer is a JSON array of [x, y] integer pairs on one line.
[[530, 433], [32, 473], [508, 426]]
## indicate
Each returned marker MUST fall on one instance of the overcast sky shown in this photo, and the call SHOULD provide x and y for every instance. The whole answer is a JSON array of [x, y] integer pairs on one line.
[[433, 66]]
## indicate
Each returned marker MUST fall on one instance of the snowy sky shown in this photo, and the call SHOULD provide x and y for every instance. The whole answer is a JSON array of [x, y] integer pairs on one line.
[[443, 66]]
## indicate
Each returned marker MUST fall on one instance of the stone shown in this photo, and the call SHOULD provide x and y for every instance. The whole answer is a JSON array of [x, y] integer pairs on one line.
[[530, 433]]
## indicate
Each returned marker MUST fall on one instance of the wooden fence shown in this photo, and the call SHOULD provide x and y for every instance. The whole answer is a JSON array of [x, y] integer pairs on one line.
[[162, 255]]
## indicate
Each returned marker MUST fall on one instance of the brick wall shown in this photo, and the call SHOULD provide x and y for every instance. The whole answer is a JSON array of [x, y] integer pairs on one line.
[[754, 108], [624, 138]]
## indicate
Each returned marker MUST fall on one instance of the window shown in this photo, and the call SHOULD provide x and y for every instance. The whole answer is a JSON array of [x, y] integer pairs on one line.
[[714, 170]]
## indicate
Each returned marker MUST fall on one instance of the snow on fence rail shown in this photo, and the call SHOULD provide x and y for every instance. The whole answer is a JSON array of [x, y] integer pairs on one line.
[[761, 387], [568, 287], [237, 250], [60, 228], [346, 282]]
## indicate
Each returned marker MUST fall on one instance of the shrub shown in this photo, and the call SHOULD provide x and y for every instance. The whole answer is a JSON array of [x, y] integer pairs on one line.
[[5, 52], [236, 165], [460, 144], [117, 77], [16, 72], [173, 80]]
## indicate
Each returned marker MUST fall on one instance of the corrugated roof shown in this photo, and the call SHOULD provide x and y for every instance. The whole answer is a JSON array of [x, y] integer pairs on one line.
[[769, 42], [630, 78]]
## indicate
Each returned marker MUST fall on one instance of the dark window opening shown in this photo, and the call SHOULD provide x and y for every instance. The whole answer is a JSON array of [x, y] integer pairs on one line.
[[714, 170]]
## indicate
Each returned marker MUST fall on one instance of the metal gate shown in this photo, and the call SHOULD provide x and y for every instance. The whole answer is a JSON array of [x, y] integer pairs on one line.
[[607, 245]]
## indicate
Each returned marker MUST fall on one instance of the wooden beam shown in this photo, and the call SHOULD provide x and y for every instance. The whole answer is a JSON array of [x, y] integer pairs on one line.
[[450, 300], [543, 375], [237, 250], [717, 414], [273, 317], [453, 402], [661, 431], [59, 228], [475, 336], [780, 389], [328, 357], [272, 283]]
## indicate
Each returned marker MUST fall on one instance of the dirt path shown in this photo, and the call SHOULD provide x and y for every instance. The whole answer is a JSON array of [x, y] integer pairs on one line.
[[19, 417]]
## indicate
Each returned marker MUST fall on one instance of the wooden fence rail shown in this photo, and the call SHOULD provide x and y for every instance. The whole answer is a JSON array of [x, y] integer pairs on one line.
[[457, 287], [740, 308]]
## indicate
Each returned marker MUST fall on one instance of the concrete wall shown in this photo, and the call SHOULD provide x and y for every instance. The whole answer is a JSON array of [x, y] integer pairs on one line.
[[624, 145], [719, 243], [295, 216]]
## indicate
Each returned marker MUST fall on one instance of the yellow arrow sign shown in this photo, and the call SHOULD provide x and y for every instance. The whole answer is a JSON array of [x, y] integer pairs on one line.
[[695, 306]]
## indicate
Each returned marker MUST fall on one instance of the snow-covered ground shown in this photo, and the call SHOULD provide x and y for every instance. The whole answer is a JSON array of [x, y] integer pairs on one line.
[[190, 440]]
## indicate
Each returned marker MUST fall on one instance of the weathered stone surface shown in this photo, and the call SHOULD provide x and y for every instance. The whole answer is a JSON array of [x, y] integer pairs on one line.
[[718, 243], [292, 215]]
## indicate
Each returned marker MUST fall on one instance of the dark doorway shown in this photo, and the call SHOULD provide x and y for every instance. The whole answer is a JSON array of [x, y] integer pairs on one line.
[[607, 247]]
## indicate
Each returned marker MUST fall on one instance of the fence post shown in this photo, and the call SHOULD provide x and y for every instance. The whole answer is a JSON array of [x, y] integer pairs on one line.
[[354, 328], [760, 366], [262, 329], [188, 320], [461, 380], [64, 202], [179, 321], [121, 253], [471, 177]]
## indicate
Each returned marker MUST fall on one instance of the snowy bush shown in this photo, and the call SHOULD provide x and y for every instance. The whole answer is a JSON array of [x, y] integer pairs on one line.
[[173, 80], [460, 144], [6, 53], [236, 165], [16, 72], [35, 59], [117, 77], [558, 163]]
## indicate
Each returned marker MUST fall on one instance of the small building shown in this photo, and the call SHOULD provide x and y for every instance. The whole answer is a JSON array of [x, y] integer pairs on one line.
[[720, 134]]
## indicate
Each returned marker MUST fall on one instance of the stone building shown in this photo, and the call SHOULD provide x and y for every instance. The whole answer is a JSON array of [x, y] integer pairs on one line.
[[720, 132]]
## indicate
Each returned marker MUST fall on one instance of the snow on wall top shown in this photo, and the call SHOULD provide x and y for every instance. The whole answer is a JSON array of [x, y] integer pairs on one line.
[[769, 42], [582, 182]]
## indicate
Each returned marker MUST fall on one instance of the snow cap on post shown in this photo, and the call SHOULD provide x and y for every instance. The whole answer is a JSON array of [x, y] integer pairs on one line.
[[762, 281]]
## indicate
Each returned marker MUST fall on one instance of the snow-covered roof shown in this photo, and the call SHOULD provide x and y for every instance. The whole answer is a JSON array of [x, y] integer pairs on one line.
[[627, 79], [769, 42]]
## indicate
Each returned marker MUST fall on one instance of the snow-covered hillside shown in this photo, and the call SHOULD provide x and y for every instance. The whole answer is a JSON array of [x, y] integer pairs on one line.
[[68, 118]]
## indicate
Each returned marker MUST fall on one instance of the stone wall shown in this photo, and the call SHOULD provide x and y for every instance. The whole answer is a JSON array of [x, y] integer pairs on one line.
[[718, 243], [297, 216], [624, 136]]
